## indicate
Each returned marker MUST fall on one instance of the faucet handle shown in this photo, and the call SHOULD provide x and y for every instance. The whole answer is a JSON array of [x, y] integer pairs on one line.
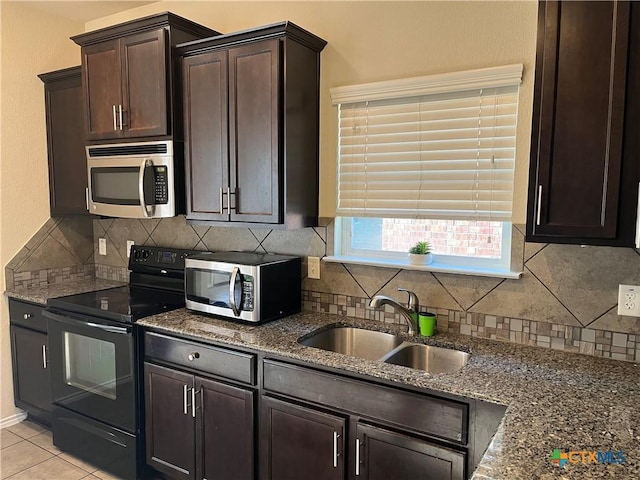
[[412, 303]]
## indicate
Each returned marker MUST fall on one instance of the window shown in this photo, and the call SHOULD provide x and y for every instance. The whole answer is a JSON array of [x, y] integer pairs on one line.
[[429, 158]]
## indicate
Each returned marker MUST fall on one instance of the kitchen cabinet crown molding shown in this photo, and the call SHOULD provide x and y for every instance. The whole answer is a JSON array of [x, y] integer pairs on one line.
[[151, 22], [291, 30], [63, 74]]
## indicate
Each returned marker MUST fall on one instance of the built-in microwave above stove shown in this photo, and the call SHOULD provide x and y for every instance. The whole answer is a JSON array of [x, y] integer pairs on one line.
[[134, 180]]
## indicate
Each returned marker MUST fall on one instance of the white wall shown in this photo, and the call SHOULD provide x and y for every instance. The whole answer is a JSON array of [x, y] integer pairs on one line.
[[32, 42], [372, 41]]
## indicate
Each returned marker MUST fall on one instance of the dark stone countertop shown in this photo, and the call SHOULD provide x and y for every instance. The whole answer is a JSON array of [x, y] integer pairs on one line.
[[555, 400]]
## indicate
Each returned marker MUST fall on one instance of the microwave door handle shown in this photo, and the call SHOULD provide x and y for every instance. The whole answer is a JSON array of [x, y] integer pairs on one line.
[[232, 291], [143, 165]]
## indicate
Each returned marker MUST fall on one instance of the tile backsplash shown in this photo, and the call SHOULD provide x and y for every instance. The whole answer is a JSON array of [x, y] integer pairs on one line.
[[566, 298]]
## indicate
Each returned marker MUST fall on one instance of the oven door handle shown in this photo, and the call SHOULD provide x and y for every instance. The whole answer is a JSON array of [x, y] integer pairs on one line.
[[74, 321]]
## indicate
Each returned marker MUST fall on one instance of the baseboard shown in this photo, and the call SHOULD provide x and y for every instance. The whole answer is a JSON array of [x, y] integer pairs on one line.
[[13, 419]]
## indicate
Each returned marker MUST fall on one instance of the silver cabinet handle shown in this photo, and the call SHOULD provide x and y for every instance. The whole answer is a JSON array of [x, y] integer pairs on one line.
[[357, 457], [221, 201], [185, 404], [86, 197], [193, 356], [115, 120], [193, 402], [44, 357], [27, 316], [335, 449], [232, 291], [146, 162], [539, 204], [229, 201], [638, 220], [120, 110]]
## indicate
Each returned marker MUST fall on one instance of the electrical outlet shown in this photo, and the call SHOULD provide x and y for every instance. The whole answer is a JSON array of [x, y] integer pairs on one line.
[[629, 300], [313, 267], [102, 246], [130, 243]]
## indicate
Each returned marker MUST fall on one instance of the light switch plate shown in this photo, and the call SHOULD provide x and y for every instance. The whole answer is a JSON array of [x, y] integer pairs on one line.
[[102, 246], [313, 268], [629, 300], [130, 243]]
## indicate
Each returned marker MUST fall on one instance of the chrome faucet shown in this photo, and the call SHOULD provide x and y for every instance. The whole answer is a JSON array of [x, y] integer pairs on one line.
[[410, 312]]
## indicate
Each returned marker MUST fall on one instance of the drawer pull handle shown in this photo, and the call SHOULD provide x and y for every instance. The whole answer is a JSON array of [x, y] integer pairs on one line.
[[27, 316], [357, 457], [44, 357], [193, 356], [335, 449]]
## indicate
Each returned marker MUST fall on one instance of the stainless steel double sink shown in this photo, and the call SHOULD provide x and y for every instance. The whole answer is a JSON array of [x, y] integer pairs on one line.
[[388, 348]]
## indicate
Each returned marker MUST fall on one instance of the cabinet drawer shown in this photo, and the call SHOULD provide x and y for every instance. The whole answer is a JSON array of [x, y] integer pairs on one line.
[[427, 414], [204, 358], [27, 315]]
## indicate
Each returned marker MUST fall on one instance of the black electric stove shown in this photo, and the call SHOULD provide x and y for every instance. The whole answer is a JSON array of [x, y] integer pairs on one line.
[[120, 304], [95, 361], [156, 285]]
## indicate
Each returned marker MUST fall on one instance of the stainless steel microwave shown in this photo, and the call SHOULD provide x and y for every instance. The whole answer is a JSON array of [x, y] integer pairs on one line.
[[245, 286], [132, 180]]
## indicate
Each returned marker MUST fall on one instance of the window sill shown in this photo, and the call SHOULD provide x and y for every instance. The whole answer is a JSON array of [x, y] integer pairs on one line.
[[433, 267]]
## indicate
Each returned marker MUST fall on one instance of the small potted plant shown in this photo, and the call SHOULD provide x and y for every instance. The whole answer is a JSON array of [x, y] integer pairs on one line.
[[420, 254]]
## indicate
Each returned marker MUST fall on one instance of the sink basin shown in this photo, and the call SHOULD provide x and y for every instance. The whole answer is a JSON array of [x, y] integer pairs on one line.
[[356, 342], [428, 358]]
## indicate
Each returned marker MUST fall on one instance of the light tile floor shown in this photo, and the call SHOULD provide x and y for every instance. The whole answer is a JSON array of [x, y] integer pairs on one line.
[[28, 453]]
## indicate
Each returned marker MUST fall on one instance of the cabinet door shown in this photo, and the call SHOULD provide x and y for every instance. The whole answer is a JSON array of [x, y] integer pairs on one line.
[[382, 455], [225, 432], [144, 84], [169, 421], [298, 443], [206, 133], [102, 89], [65, 143], [30, 369], [254, 99], [578, 121]]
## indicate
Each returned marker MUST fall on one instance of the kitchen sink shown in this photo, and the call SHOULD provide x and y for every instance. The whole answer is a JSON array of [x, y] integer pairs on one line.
[[356, 342], [428, 358], [388, 348]]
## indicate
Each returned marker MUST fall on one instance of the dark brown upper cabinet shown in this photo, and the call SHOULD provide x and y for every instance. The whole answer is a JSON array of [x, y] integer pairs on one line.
[[251, 108], [128, 79], [584, 171], [65, 142]]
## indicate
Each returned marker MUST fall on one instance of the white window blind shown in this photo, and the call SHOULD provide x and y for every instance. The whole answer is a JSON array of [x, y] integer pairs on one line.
[[440, 146]]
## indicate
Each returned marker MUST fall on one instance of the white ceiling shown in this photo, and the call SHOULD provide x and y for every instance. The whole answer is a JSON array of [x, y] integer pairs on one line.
[[85, 11]]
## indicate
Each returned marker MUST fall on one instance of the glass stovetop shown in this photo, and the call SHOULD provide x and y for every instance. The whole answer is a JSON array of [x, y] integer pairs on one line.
[[123, 304]]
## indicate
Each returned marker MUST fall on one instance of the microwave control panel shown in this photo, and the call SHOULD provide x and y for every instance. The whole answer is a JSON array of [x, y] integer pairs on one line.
[[161, 185], [247, 294]]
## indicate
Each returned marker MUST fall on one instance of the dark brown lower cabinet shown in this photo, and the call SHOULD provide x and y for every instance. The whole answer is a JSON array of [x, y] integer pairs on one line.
[[197, 428], [382, 455], [30, 367], [30, 372], [299, 442]]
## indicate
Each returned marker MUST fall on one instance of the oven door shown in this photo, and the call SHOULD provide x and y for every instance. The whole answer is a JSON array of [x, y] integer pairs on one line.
[[92, 367]]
